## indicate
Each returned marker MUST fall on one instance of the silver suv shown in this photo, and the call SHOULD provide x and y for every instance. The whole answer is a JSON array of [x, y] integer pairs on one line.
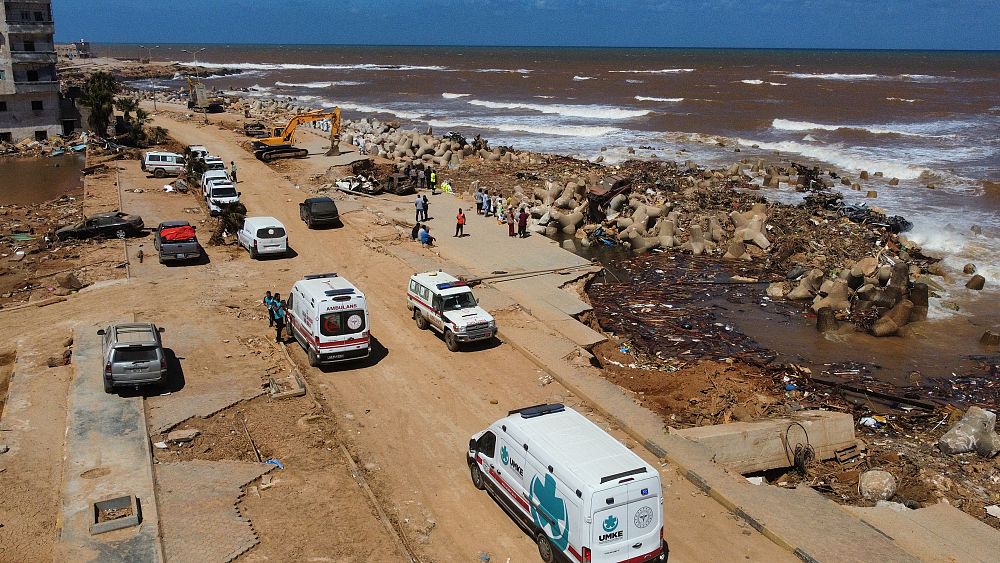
[[133, 355]]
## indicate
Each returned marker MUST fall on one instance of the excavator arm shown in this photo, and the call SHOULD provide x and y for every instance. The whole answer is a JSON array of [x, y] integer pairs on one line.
[[280, 144]]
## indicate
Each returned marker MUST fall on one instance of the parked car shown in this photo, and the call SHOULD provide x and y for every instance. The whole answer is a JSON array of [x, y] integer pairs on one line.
[[220, 193], [133, 355], [161, 164], [444, 303], [114, 224], [214, 163], [319, 211], [176, 240], [263, 235]]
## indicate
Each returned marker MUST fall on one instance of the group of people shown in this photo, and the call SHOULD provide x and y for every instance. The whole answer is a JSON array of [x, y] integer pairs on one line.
[[504, 211], [422, 234], [277, 315], [422, 207], [425, 177]]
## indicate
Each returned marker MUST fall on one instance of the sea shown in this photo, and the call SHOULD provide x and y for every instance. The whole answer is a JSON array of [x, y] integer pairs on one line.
[[926, 118]]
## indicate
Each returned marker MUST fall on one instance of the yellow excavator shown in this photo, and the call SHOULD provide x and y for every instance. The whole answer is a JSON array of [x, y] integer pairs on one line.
[[280, 143]]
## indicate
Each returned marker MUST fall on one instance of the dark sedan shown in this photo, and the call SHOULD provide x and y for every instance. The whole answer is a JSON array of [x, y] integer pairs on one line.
[[115, 224]]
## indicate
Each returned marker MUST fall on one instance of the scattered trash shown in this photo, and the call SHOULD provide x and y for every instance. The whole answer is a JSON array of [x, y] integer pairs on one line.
[[993, 510], [875, 421], [756, 480], [160, 445], [274, 462]]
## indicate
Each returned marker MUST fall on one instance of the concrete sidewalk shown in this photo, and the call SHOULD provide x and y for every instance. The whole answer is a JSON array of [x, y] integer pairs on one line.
[[107, 455]]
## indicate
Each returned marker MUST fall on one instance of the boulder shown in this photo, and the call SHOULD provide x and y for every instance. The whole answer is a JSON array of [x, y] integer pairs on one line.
[[70, 281], [969, 269], [976, 282], [877, 485], [738, 251], [777, 290], [179, 436], [974, 432], [866, 267], [990, 338]]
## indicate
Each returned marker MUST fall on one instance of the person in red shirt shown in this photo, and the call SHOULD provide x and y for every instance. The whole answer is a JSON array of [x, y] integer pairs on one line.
[[460, 223]]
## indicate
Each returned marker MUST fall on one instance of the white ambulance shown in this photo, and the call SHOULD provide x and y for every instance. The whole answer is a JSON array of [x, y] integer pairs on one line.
[[446, 304], [329, 318], [580, 493]]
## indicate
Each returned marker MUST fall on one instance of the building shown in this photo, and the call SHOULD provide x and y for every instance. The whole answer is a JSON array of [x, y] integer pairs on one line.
[[29, 84]]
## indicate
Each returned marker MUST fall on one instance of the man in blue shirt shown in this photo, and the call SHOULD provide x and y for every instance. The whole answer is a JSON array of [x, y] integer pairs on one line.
[[279, 316], [269, 305]]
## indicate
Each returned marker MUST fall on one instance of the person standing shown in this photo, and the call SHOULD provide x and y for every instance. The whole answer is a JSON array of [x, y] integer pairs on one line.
[[279, 317], [420, 178], [522, 223], [510, 221], [486, 203], [427, 177], [413, 177], [232, 168], [269, 305], [433, 181], [478, 196], [460, 223], [419, 204], [427, 207]]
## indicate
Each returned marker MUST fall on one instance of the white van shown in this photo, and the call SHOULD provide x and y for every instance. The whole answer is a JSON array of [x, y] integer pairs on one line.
[[196, 151], [581, 494], [213, 176], [262, 236], [214, 162], [220, 193], [161, 164], [446, 304], [329, 318]]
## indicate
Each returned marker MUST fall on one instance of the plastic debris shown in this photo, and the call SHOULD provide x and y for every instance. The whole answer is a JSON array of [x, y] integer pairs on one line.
[[274, 462]]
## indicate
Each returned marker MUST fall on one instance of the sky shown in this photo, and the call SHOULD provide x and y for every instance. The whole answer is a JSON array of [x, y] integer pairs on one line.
[[835, 24]]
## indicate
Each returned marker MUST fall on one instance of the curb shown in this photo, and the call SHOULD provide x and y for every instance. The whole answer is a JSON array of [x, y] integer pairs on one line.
[[659, 452]]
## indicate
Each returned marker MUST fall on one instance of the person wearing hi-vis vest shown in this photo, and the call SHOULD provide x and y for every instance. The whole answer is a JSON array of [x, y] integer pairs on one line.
[[460, 223]]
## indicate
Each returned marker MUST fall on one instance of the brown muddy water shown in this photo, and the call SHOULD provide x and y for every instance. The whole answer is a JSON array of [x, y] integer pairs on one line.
[[27, 181]]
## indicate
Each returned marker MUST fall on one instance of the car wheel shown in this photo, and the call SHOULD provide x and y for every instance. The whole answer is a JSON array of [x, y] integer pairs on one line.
[[310, 224], [120, 233], [544, 547], [477, 477], [313, 358], [422, 323], [109, 387], [253, 253], [451, 340], [159, 173]]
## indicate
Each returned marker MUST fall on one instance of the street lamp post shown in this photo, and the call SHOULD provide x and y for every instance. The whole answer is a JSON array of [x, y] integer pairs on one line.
[[197, 75], [149, 59]]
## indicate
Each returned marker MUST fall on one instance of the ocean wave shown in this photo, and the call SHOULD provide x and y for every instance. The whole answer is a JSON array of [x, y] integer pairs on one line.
[[790, 125], [755, 82], [843, 159], [375, 109], [652, 99], [297, 66], [319, 84], [578, 77], [450, 96], [660, 71], [586, 111], [544, 97], [503, 70], [634, 81], [559, 130], [864, 76], [907, 100]]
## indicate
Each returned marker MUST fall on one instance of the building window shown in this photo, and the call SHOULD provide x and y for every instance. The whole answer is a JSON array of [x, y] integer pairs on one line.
[[37, 105], [6, 137], [39, 16], [29, 46], [41, 135], [32, 76], [3, 75], [3, 106]]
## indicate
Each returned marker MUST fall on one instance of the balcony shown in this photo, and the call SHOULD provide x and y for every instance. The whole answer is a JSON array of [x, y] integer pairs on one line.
[[27, 26], [40, 57], [36, 86]]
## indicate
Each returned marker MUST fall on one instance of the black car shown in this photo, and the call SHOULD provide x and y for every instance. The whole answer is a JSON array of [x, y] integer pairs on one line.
[[319, 211], [115, 224]]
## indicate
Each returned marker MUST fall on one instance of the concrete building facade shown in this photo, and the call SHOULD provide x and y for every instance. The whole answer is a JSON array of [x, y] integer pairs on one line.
[[29, 83]]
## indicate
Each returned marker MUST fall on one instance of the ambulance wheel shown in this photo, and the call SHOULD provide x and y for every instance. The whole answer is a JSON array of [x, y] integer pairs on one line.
[[313, 358], [451, 340], [253, 253], [477, 477], [544, 547], [422, 323]]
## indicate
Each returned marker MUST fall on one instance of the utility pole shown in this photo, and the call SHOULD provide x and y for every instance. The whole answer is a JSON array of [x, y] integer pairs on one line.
[[197, 74], [149, 59]]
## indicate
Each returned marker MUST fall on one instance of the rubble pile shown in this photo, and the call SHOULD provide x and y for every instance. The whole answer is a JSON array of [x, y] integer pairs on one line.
[[54, 146]]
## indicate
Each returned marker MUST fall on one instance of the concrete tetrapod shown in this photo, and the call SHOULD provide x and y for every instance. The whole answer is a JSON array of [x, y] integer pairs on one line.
[[974, 432], [807, 285], [838, 297], [895, 319]]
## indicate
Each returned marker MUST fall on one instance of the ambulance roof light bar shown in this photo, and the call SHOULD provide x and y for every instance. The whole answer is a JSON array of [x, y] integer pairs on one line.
[[449, 285], [321, 276], [538, 410]]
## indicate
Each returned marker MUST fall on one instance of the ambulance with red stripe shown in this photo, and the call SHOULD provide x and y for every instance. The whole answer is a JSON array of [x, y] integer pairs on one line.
[[581, 494], [444, 303], [329, 318]]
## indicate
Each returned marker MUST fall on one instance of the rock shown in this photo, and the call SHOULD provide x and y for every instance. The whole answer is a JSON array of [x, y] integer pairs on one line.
[[990, 338], [866, 267], [777, 290], [826, 320], [67, 342], [863, 175], [872, 194], [838, 297], [877, 485], [969, 269], [179, 436], [894, 182], [974, 432], [919, 296], [4, 448], [54, 362], [69, 281], [976, 282], [895, 319]]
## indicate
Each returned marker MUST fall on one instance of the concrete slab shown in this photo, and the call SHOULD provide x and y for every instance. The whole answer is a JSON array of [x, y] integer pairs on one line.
[[939, 533], [198, 512], [745, 447], [107, 455]]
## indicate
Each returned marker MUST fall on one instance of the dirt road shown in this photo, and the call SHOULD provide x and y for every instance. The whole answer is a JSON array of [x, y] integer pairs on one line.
[[408, 416]]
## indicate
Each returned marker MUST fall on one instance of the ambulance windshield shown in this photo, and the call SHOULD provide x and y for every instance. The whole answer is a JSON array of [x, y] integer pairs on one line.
[[459, 301]]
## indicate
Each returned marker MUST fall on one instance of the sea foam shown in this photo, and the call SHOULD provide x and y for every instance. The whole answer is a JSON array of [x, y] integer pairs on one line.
[[652, 99], [585, 111], [450, 96], [791, 125], [513, 127], [318, 85], [660, 71], [296, 66], [842, 158]]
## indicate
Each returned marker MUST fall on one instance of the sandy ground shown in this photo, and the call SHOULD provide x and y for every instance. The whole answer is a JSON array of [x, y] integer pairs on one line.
[[403, 419]]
